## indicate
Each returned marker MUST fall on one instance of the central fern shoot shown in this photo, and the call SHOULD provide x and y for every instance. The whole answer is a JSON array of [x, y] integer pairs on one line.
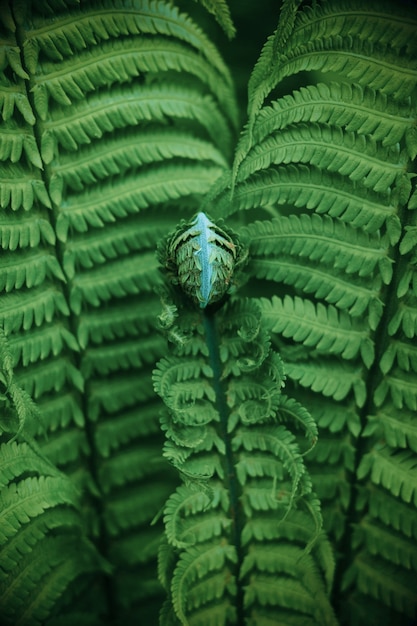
[[243, 531]]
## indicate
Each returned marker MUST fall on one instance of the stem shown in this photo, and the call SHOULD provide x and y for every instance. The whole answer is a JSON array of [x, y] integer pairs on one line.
[[102, 541], [230, 474]]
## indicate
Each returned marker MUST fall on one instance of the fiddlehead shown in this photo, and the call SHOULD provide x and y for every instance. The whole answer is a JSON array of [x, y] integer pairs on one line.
[[230, 528]]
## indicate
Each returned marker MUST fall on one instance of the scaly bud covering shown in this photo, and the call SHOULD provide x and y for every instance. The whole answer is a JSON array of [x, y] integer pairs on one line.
[[202, 258]]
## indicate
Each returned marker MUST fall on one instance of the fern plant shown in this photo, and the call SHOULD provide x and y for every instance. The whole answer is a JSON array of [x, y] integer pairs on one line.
[[241, 451]]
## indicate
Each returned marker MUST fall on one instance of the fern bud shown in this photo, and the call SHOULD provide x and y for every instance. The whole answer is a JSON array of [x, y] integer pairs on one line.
[[202, 258]]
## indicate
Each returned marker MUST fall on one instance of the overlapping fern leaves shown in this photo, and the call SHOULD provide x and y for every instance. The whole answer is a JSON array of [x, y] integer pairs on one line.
[[116, 118], [331, 167]]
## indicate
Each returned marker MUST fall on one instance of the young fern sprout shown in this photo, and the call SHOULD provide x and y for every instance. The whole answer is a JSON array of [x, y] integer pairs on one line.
[[202, 258], [229, 526]]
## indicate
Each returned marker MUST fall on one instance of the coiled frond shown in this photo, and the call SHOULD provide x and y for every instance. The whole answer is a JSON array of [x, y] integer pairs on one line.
[[230, 437]]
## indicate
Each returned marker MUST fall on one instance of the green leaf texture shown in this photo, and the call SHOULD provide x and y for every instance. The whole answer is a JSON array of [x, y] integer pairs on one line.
[[119, 120], [117, 117], [324, 178]]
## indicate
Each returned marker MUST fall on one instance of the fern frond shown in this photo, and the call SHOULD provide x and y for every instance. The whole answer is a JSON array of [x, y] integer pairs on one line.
[[131, 149], [40, 305], [333, 287], [29, 498], [405, 318], [239, 462], [133, 508], [29, 535], [401, 387], [114, 280], [327, 147], [358, 109], [109, 20], [28, 269], [220, 10], [397, 427], [126, 426], [91, 79], [104, 360], [116, 61], [18, 141], [330, 378], [385, 582], [119, 240], [18, 459], [281, 445], [292, 411], [392, 512], [97, 326], [20, 188], [202, 563], [395, 471], [130, 466], [324, 328], [321, 239], [41, 343], [393, 547], [125, 391], [96, 115], [184, 524], [50, 375], [39, 581], [14, 100], [330, 38], [325, 192], [131, 195], [16, 231]]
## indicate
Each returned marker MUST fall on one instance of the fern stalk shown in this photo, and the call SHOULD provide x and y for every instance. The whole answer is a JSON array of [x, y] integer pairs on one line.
[[235, 512], [229, 526]]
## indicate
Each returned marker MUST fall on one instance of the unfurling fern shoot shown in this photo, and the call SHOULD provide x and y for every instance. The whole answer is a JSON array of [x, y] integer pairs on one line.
[[201, 257], [243, 540]]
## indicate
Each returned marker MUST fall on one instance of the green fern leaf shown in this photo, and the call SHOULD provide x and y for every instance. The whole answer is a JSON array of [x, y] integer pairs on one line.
[[30, 497], [220, 10], [393, 547], [376, 577], [130, 150], [50, 375], [22, 194], [392, 512], [97, 326], [322, 327], [333, 288], [41, 306], [333, 44], [398, 427], [353, 155], [394, 471], [198, 563], [321, 239], [112, 20], [18, 141], [329, 378], [326, 103], [325, 192], [17, 459], [122, 61], [93, 117], [132, 194]]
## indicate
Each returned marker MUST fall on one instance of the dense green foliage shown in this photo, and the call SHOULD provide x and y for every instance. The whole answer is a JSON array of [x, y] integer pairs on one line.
[[245, 457]]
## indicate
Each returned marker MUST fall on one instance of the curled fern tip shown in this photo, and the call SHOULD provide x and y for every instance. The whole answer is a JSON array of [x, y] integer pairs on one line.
[[202, 258]]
